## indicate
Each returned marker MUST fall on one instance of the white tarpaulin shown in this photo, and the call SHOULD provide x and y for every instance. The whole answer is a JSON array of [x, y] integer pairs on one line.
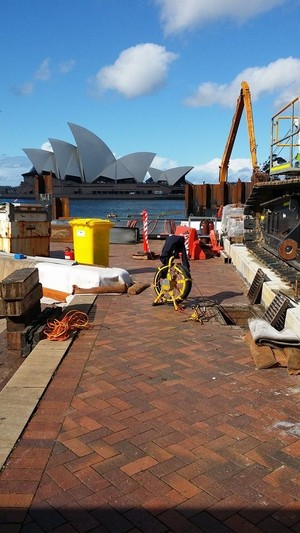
[[263, 333], [63, 277]]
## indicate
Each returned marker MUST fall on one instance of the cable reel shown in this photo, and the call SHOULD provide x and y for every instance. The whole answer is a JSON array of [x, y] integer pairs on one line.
[[172, 283]]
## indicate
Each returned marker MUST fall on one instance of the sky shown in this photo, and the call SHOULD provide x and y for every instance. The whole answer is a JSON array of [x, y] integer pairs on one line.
[[158, 76]]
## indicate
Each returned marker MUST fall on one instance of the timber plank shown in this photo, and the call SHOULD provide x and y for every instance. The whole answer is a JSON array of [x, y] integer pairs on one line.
[[2, 307], [18, 323], [19, 283], [16, 340], [20, 307]]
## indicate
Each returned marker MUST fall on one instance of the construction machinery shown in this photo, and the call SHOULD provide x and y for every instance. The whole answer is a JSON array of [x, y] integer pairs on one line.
[[271, 200], [272, 210], [206, 199], [243, 102]]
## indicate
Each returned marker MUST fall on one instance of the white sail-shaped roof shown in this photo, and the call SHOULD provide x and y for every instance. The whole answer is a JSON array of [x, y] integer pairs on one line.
[[156, 174], [92, 160], [174, 174], [133, 165], [117, 171], [138, 163], [67, 160], [42, 160], [94, 154], [171, 175]]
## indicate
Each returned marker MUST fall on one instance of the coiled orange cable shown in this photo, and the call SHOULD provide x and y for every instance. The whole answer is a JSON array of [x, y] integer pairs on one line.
[[59, 330]]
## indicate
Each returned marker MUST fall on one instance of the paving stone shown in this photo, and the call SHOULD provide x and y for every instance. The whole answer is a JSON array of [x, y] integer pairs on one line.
[[150, 422]]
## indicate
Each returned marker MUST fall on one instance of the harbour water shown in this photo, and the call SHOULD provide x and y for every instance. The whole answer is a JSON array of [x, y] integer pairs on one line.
[[127, 208], [124, 209]]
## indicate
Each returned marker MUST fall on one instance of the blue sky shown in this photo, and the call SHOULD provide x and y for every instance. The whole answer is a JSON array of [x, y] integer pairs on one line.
[[145, 75]]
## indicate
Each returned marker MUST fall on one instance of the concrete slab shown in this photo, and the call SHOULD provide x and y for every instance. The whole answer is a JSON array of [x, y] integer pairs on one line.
[[16, 407], [167, 423], [20, 396], [247, 265]]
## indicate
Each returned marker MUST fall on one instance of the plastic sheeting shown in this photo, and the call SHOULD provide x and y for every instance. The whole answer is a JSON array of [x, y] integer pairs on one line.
[[265, 334], [232, 223], [63, 277]]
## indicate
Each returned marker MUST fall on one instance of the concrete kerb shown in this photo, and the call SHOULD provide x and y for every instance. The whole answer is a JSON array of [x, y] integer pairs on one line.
[[247, 266], [21, 395]]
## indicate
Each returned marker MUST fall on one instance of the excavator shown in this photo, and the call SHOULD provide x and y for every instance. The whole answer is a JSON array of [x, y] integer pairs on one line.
[[272, 210], [243, 102]]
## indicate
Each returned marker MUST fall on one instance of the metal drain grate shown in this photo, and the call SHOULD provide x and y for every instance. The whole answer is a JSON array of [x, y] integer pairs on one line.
[[254, 292], [276, 312]]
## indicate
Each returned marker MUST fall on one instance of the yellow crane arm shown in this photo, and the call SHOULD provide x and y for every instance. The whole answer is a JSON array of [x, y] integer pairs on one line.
[[243, 101]]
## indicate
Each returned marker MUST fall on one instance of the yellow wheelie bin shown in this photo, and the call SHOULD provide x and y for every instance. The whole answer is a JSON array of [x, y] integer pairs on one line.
[[91, 240]]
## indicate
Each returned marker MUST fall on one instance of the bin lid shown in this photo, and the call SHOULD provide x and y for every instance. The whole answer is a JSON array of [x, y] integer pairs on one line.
[[90, 222]]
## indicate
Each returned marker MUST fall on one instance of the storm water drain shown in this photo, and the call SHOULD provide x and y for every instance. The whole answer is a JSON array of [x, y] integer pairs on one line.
[[254, 293], [238, 315]]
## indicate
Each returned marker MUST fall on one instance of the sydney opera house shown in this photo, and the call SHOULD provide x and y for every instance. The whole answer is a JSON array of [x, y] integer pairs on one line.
[[89, 168]]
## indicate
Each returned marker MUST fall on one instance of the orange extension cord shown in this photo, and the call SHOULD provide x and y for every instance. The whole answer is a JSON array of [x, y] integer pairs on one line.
[[59, 330]]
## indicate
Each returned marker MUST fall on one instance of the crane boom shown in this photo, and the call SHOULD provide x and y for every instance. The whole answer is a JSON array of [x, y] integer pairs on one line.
[[243, 101]]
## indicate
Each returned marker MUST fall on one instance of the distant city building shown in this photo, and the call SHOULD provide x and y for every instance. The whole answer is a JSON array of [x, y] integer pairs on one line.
[[92, 162]]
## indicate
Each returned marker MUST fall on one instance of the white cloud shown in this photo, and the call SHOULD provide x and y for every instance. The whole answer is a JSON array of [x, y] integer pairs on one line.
[[47, 146], [66, 66], [178, 15], [163, 163], [209, 172], [23, 90], [281, 76], [43, 72], [12, 168], [141, 69]]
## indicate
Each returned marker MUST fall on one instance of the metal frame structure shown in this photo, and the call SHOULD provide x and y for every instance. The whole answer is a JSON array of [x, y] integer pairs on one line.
[[285, 140]]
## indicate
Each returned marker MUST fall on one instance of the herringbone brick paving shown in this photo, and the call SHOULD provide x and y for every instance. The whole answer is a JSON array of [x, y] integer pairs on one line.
[[153, 423]]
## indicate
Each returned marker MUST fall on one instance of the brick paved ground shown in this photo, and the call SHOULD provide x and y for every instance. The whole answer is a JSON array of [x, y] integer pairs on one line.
[[157, 424]]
